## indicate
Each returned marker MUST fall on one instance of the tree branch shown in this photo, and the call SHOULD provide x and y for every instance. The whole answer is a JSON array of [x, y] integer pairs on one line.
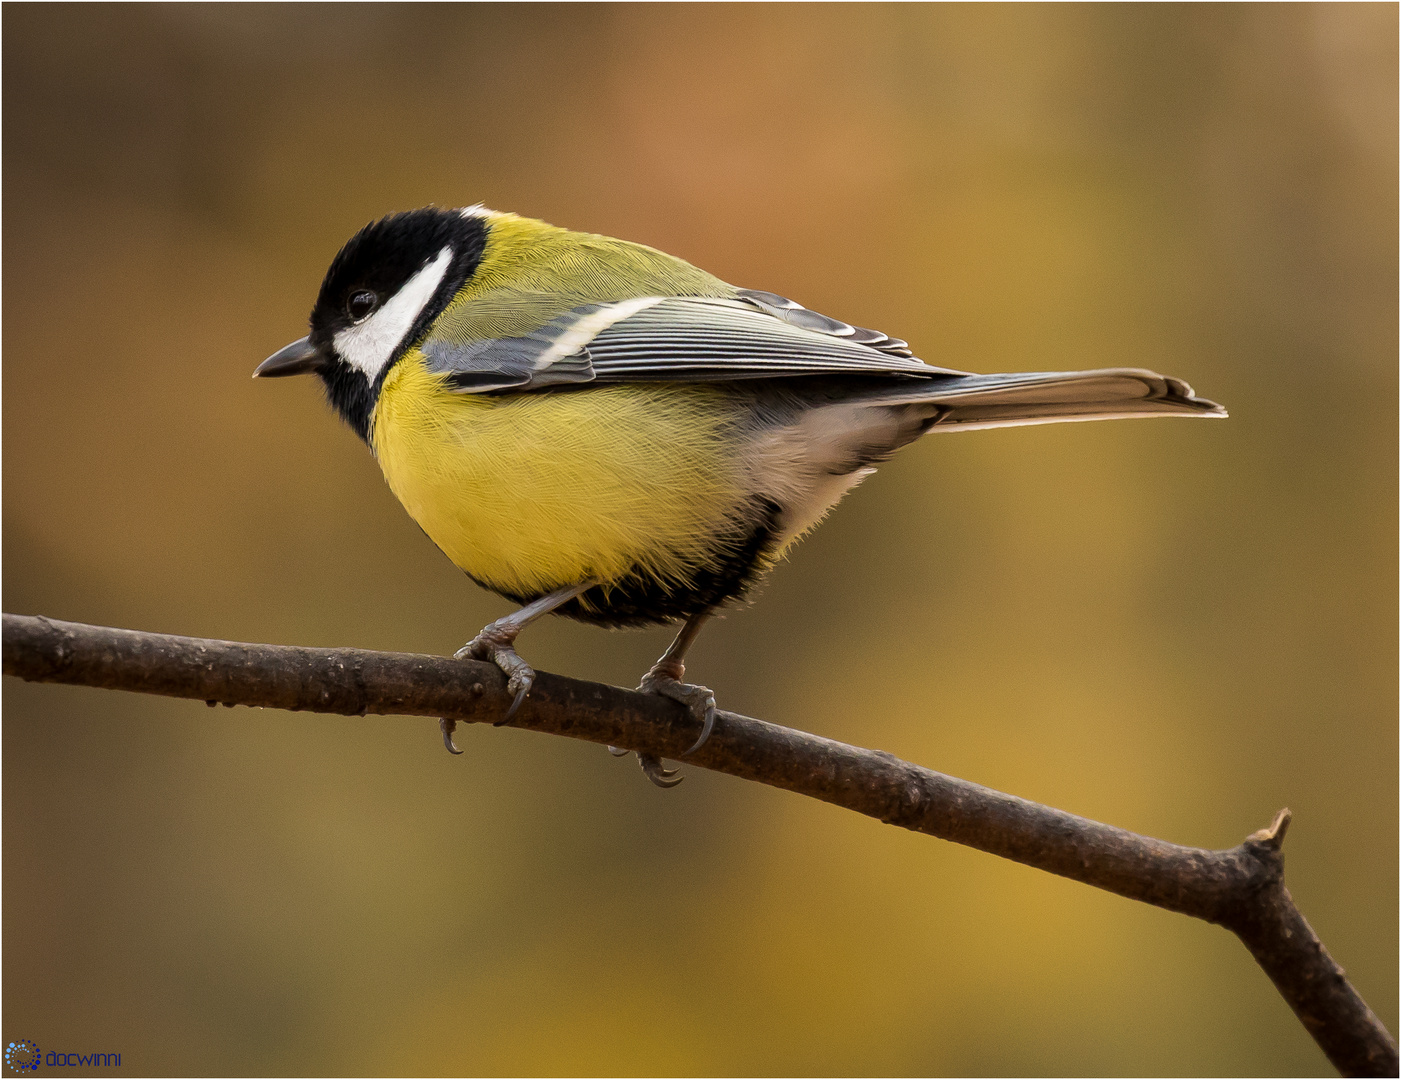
[[1241, 889]]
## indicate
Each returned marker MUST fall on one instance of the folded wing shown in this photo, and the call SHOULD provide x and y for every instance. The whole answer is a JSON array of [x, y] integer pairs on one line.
[[761, 335], [675, 339]]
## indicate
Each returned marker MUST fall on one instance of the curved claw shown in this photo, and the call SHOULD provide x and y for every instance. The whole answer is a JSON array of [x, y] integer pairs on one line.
[[449, 726], [662, 777], [526, 683], [618, 751], [706, 729]]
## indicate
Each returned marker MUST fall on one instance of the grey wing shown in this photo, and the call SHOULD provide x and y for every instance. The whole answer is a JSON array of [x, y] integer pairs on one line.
[[689, 339]]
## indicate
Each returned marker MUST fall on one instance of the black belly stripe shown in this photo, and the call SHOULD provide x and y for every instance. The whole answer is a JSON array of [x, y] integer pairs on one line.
[[641, 600]]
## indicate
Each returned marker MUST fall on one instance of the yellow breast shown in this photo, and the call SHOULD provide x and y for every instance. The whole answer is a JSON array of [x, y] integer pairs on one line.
[[531, 492]]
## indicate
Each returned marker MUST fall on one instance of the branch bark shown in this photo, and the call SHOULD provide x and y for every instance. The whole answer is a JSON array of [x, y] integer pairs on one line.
[[1241, 888]]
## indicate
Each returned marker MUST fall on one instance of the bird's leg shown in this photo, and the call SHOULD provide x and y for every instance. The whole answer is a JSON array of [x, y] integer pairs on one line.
[[497, 640], [665, 679]]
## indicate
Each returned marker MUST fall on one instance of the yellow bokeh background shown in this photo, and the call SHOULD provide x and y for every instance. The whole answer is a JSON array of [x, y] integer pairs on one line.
[[1176, 627]]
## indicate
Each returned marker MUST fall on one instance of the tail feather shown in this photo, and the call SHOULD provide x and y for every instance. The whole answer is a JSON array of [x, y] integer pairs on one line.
[[1048, 397]]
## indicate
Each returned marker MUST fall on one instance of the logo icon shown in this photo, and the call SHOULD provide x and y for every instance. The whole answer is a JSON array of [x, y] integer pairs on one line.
[[23, 1056]]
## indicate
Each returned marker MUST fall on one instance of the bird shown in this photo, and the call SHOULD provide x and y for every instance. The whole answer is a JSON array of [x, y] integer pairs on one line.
[[593, 428]]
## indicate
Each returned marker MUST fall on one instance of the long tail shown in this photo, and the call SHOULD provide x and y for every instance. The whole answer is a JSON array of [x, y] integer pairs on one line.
[[1049, 397]]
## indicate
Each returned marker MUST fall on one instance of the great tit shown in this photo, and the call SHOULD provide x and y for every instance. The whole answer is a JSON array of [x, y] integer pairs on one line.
[[594, 428]]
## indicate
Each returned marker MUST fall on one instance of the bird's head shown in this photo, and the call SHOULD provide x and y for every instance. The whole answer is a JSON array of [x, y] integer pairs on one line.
[[383, 291]]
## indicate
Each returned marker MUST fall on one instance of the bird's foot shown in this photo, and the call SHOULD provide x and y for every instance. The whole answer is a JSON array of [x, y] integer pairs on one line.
[[651, 767], [496, 643], [665, 679], [662, 777]]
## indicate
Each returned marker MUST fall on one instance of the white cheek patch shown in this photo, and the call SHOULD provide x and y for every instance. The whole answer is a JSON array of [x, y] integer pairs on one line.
[[367, 346]]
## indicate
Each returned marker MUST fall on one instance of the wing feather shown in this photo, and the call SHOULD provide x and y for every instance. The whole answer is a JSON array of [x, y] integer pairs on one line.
[[689, 339]]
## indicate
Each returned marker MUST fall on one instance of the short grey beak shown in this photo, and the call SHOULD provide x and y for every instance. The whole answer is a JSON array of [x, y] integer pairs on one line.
[[299, 358]]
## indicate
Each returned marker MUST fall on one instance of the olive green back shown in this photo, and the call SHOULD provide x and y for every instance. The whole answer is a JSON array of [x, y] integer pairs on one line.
[[531, 272]]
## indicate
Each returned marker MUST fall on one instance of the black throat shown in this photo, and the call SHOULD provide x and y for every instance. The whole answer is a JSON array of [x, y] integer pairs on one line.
[[381, 258]]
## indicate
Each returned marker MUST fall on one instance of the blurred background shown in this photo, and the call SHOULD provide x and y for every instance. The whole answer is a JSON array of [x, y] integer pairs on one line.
[[1174, 627]]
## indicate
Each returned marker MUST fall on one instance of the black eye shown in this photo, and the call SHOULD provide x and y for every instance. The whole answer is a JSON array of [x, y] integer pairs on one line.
[[361, 304]]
